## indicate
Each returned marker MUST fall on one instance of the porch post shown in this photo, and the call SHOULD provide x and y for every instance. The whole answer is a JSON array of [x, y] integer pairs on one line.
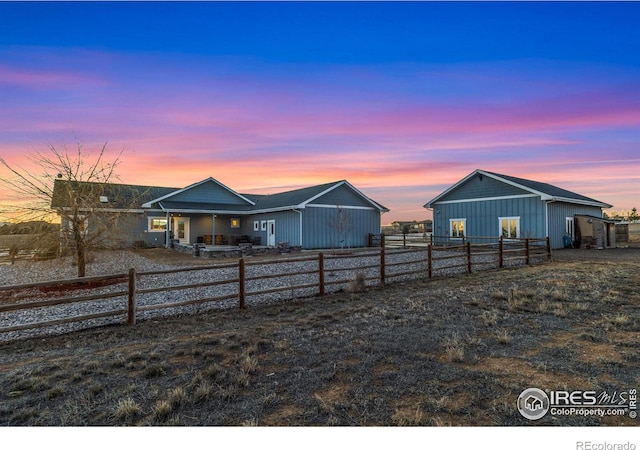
[[213, 229], [167, 239]]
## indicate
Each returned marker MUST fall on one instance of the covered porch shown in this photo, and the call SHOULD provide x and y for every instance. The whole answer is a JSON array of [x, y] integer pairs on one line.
[[214, 229]]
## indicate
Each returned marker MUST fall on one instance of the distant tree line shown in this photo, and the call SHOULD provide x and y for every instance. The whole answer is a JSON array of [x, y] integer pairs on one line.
[[631, 215], [32, 227]]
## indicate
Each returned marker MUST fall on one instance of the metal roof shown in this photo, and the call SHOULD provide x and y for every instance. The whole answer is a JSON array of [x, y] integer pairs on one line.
[[118, 196], [555, 192], [127, 196], [546, 191]]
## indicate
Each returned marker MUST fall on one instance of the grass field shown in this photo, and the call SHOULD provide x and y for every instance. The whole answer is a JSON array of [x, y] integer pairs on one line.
[[445, 352]]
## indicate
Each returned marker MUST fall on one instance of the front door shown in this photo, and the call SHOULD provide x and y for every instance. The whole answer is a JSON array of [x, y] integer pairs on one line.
[[271, 233], [181, 229]]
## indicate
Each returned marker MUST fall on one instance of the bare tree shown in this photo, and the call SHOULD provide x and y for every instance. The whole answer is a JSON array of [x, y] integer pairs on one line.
[[72, 184], [341, 223]]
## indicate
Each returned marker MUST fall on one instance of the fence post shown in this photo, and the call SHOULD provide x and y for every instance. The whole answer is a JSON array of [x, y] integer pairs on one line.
[[382, 260], [500, 252], [131, 311], [321, 273], [526, 251], [548, 248], [429, 262], [241, 280], [468, 257]]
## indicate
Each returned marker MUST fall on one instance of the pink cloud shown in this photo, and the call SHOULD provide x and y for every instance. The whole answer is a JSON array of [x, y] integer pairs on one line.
[[402, 141], [43, 79]]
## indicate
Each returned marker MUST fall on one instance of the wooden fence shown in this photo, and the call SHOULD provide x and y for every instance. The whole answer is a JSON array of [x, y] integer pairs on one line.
[[10, 256], [377, 267]]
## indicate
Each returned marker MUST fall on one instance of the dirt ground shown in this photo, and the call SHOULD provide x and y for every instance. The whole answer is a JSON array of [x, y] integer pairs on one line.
[[444, 352]]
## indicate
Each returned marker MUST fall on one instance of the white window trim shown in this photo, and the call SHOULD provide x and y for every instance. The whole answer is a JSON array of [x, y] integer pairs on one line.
[[150, 230], [263, 225], [464, 226], [256, 225], [570, 220], [69, 224], [518, 232]]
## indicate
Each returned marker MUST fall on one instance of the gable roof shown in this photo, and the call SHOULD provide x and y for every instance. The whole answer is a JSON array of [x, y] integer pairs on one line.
[[300, 198], [546, 191], [126, 195], [191, 186], [288, 198]]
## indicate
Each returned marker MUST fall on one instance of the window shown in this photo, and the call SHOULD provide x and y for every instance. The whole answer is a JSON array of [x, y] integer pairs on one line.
[[509, 227], [569, 227], [83, 224], [157, 224], [256, 225], [457, 227], [235, 223], [263, 225]]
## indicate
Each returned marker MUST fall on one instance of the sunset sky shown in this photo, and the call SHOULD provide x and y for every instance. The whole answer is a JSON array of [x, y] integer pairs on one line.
[[401, 99]]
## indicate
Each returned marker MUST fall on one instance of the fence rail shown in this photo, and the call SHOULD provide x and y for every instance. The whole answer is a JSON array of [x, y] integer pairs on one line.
[[379, 266]]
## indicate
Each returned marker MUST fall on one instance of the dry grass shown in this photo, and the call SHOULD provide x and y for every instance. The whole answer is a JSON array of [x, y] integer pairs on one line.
[[443, 352], [127, 409], [357, 284], [454, 348], [503, 337]]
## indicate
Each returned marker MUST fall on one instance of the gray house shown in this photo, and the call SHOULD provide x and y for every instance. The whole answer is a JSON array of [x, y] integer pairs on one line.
[[331, 215], [488, 204]]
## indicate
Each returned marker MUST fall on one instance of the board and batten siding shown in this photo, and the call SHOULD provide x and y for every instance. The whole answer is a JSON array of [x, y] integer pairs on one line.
[[341, 196], [319, 227], [128, 228], [200, 225], [137, 229], [208, 192], [558, 213], [482, 216], [287, 226], [481, 187]]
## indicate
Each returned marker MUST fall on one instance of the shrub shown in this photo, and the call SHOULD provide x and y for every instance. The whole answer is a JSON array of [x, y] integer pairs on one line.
[[127, 409], [176, 396], [155, 370], [162, 409], [357, 284], [454, 348]]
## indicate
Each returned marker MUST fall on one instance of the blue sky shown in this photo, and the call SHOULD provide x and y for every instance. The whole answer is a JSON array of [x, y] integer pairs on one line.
[[402, 99], [336, 32]]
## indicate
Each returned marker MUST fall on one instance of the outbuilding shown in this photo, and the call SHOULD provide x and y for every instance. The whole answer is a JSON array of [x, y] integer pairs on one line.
[[489, 204], [594, 232]]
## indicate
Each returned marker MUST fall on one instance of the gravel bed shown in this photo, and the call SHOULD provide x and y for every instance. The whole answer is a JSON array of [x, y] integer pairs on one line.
[[340, 273]]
